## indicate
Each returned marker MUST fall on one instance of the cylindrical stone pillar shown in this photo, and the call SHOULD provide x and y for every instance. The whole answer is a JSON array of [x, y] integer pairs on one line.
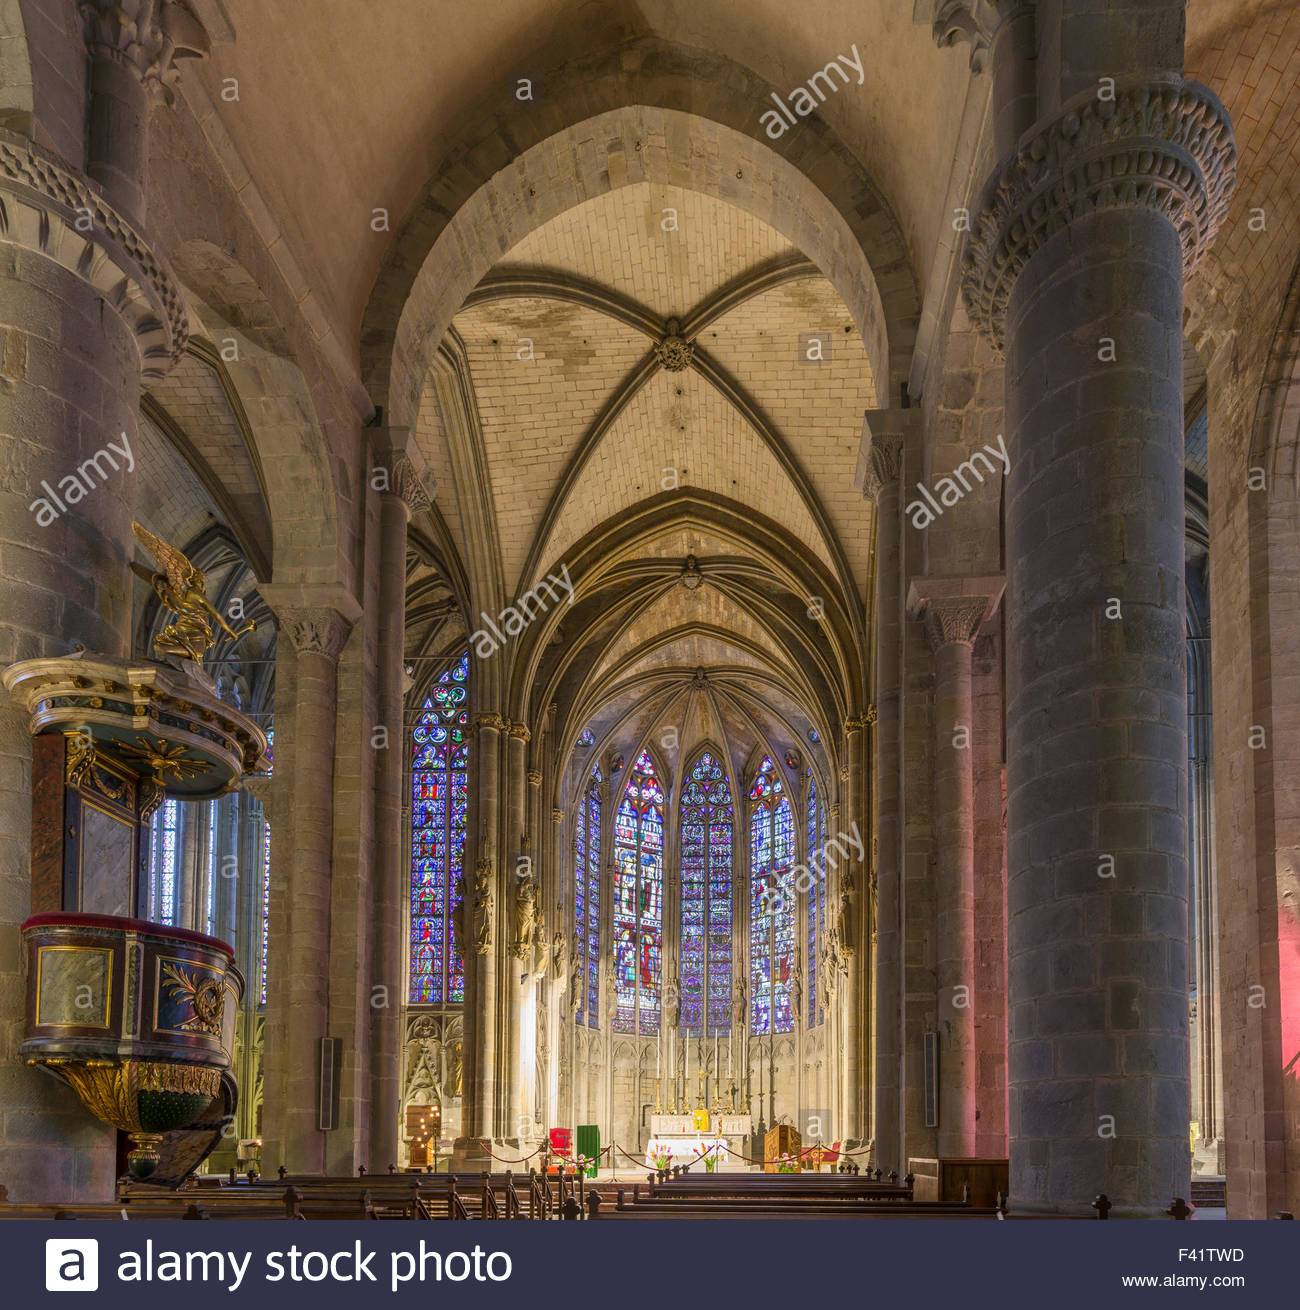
[[390, 872], [73, 353], [311, 638], [1079, 256], [481, 921], [852, 935], [515, 986], [951, 625], [886, 456]]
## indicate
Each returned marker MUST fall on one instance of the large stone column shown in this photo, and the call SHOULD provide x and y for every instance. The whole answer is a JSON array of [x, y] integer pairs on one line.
[[87, 313], [312, 631], [516, 957], [482, 897], [953, 610], [884, 438], [853, 940], [403, 495], [1076, 265]]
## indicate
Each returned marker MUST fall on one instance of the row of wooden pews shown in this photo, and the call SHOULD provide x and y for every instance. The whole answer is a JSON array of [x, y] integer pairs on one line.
[[771, 1196], [395, 1196]]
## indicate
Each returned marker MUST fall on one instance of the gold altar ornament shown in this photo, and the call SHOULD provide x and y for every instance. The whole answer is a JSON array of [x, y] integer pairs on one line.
[[183, 590]]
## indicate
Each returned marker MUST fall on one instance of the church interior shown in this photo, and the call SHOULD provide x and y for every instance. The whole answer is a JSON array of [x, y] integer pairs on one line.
[[592, 590]]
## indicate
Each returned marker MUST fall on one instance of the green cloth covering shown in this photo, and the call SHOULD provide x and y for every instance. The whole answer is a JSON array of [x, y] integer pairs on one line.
[[588, 1144]]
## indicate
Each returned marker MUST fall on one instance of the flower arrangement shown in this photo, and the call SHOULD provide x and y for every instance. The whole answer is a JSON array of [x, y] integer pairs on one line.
[[711, 1160], [787, 1164], [584, 1164], [662, 1157]]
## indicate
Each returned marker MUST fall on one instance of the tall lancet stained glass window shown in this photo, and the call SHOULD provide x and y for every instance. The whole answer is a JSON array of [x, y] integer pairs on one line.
[[816, 894], [707, 822], [439, 797], [771, 903], [586, 902], [638, 900]]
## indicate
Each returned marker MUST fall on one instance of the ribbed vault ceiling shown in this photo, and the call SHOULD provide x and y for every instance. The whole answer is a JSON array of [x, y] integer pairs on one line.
[[560, 441]]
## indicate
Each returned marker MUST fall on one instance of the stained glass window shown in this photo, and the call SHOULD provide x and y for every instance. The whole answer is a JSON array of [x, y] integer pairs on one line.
[[586, 739], [772, 903], [586, 900], [816, 893], [439, 797], [210, 887], [707, 822], [163, 852], [638, 900], [266, 898]]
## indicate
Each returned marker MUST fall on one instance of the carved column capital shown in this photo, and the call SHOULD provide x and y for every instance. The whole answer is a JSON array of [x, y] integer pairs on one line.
[[147, 37], [1159, 144], [975, 21], [534, 777], [557, 816], [53, 212], [885, 434], [953, 609], [956, 620], [491, 722], [404, 484], [519, 732], [883, 467], [314, 630]]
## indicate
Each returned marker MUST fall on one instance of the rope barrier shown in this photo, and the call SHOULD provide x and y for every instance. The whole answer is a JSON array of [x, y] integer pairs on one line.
[[502, 1160]]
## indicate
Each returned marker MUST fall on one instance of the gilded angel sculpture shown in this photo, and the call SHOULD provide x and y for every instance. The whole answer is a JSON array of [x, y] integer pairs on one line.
[[182, 589]]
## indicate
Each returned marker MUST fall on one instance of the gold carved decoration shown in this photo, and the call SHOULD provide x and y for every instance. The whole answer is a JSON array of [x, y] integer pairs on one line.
[[183, 590], [83, 770], [109, 1091], [204, 995], [162, 759]]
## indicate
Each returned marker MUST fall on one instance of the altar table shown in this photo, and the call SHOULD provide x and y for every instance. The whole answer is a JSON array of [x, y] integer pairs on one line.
[[686, 1148]]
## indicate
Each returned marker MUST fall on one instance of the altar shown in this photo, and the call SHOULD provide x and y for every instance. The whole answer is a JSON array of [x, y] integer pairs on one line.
[[676, 1139]]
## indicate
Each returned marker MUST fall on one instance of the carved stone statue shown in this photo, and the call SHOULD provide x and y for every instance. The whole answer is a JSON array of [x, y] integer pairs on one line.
[[457, 1064], [526, 917], [796, 990], [673, 1003], [739, 1004], [575, 983], [424, 1063], [559, 953], [845, 920], [484, 902]]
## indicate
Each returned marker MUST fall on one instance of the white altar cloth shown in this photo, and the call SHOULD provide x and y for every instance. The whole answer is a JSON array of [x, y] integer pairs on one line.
[[686, 1148]]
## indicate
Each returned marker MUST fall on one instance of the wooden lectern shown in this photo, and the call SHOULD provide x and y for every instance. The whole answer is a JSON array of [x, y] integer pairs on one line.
[[781, 1140]]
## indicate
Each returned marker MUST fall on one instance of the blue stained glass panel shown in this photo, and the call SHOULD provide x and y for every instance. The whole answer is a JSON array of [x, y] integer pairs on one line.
[[706, 818], [586, 900], [439, 812], [772, 906], [638, 900]]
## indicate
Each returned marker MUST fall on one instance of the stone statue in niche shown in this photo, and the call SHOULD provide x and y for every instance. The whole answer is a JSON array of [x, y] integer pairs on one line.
[[739, 1004], [796, 990], [484, 903], [526, 917]]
